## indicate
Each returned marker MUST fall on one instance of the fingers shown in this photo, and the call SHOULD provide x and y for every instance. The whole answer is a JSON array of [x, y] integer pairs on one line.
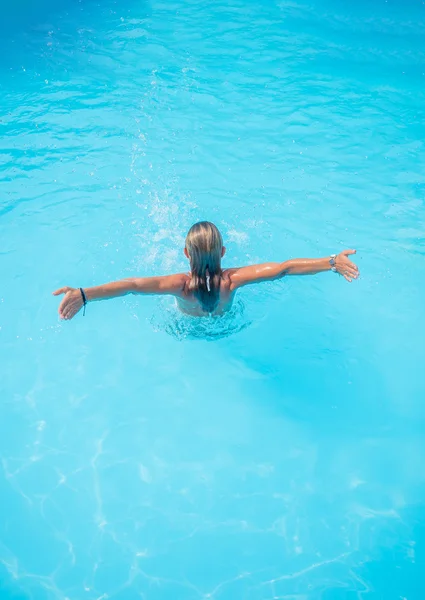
[[349, 274], [349, 271], [352, 272], [68, 308], [67, 313], [62, 307], [70, 305], [348, 265], [62, 290]]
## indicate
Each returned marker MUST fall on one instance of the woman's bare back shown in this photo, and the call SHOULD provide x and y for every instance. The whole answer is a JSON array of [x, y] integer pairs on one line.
[[190, 305]]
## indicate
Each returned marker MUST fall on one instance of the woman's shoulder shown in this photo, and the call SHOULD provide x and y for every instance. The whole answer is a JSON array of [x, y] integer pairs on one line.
[[176, 283], [227, 273], [226, 277], [181, 278]]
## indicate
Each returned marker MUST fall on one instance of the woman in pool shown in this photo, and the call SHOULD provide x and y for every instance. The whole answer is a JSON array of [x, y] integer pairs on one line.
[[207, 289]]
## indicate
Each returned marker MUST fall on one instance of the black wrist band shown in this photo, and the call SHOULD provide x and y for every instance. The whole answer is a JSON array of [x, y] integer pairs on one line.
[[83, 296]]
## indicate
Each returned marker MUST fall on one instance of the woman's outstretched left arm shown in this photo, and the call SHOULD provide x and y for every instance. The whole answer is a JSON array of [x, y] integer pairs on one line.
[[74, 298]]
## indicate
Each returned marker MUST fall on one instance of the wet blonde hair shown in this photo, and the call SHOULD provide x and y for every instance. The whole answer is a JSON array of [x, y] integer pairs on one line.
[[204, 245]]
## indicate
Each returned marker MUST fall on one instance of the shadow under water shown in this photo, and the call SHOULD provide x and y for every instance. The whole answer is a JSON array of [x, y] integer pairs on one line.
[[167, 317]]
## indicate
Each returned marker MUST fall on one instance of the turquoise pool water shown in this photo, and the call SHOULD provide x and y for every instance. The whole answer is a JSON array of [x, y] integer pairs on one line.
[[281, 454]]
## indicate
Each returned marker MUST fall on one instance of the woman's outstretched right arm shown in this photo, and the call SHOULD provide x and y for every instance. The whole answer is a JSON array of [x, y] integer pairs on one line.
[[298, 266], [73, 299]]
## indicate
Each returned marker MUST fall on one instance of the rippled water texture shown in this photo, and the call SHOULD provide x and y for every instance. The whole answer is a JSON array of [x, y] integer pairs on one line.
[[276, 455]]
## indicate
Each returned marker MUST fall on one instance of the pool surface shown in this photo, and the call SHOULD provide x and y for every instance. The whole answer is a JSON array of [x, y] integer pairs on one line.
[[279, 454]]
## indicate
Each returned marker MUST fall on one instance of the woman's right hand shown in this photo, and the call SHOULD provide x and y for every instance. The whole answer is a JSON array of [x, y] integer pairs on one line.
[[71, 303]]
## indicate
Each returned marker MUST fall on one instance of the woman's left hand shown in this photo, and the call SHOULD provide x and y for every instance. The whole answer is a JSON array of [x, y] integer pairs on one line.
[[345, 267]]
